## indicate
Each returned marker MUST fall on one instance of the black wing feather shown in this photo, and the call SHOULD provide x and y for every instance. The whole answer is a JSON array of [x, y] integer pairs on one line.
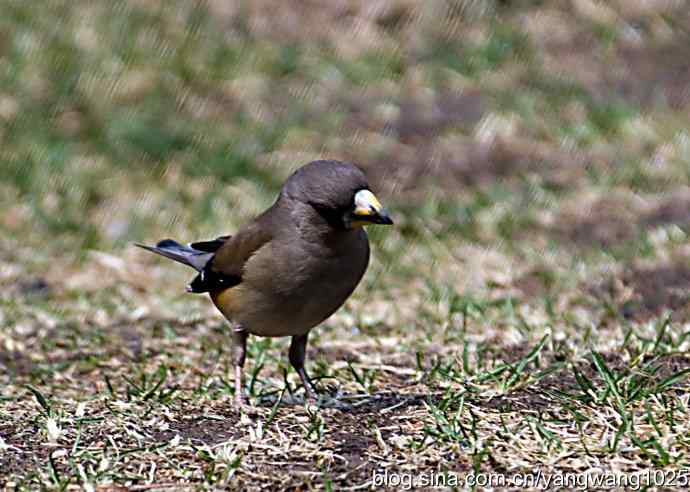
[[210, 246], [210, 280]]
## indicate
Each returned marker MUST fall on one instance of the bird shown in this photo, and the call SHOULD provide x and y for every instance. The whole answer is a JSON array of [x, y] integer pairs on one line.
[[293, 266]]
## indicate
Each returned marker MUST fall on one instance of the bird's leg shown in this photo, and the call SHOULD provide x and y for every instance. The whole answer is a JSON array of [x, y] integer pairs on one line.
[[239, 349], [298, 350]]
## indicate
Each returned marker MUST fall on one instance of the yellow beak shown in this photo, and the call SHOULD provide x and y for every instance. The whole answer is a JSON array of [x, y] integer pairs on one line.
[[368, 210]]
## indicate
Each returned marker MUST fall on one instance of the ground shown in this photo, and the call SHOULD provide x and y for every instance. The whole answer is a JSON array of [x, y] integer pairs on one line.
[[528, 313]]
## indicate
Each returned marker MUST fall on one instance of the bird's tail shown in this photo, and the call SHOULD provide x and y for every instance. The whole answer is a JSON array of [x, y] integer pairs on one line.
[[175, 251]]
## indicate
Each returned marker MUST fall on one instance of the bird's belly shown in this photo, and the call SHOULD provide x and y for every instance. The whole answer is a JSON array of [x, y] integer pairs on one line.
[[267, 310]]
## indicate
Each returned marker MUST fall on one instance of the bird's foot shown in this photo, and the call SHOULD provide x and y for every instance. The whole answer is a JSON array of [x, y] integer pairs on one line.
[[311, 396], [241, 400]]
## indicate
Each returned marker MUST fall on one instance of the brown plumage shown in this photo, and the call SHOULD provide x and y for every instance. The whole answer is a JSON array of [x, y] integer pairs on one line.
[[293, 266]]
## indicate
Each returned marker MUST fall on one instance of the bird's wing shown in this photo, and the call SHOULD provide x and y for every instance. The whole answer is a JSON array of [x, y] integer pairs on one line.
[[210, 246], [226, 267], [234, 253]]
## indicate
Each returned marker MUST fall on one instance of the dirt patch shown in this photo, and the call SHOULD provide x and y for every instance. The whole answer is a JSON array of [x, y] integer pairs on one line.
[[654, 75], [565, 379], [16, 363], [656, 368], [483, 163], [414, 124], [672, 210], [668, 365], [510, 354], [464, 162], [332, 354], [537, 398], [35, 287], [616, 219], [519, 401], [26, 451], [417, 122], [384, 401], [353, 445], [537, 282], [655, 290], [613, 360], [598, 222], [201, 429], [638, 69]]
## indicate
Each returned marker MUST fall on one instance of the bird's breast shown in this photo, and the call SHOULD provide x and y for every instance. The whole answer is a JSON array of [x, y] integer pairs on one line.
[[288, 290]]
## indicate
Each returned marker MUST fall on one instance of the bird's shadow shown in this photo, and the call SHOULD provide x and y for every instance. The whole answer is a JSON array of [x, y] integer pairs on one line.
[[347, 402]]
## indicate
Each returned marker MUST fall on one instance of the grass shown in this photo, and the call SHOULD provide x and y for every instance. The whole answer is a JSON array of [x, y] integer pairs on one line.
[[528, 310]]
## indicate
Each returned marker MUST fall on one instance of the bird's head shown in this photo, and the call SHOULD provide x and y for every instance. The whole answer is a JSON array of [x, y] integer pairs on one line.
[[338, 191]]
